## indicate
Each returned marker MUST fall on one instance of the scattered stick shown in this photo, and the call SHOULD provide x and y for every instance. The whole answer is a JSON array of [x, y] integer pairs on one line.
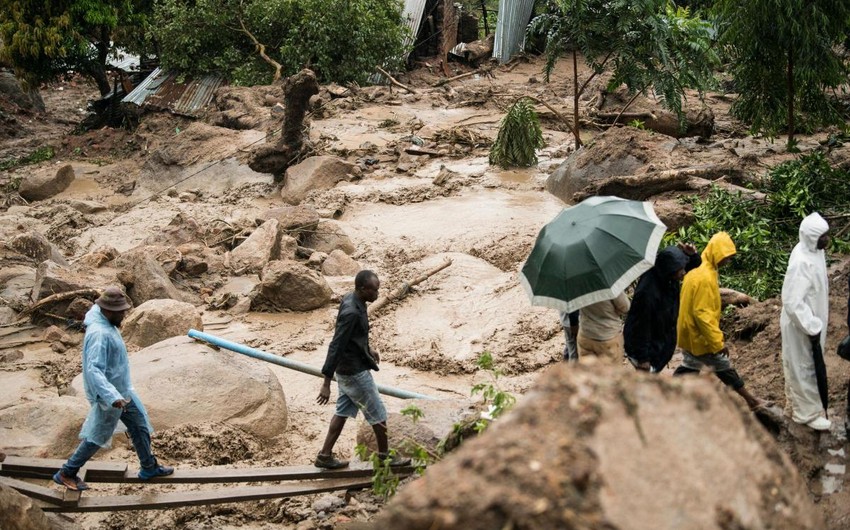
[[483, 71], [402, 291], [393, 81]]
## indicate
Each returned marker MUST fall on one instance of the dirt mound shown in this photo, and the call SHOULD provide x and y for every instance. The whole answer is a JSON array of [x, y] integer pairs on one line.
[[600, 447], [206, 444]]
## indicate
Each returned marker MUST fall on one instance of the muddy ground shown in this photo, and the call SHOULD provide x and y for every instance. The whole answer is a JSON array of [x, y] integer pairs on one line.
[[400, 223]]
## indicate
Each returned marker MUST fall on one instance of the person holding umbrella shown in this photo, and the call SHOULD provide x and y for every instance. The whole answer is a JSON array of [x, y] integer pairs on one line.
[[600, 330], [805, 311], [698, 326], [650, 330]]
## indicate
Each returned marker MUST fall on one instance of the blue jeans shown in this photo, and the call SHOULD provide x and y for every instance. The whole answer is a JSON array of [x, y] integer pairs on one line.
[[132, 418], [359, 392]]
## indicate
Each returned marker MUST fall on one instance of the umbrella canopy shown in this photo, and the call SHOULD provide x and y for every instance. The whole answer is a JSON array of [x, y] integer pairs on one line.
[[591, 252]]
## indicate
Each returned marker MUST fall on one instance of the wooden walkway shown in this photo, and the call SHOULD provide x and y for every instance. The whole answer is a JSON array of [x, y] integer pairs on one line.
[[303, 480]]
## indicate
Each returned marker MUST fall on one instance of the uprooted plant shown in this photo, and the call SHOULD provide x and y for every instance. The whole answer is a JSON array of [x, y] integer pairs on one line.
[[518, 138]]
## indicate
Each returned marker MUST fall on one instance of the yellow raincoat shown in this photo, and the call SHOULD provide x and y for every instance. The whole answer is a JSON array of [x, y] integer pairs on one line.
[[698, 326]]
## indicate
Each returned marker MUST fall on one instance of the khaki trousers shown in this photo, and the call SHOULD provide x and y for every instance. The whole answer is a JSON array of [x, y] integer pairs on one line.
[[611, 349]]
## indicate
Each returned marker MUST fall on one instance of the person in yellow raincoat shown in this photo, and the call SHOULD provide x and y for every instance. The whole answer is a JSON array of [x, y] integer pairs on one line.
[[698, 326]]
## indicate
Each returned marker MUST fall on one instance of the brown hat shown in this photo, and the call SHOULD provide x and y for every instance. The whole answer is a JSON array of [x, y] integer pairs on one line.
[[113, 299]]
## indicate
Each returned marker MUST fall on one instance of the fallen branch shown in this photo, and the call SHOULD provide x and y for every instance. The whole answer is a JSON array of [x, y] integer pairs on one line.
[[58, 297], [393, 81], [404, 289], [260, 48], [461, 76]]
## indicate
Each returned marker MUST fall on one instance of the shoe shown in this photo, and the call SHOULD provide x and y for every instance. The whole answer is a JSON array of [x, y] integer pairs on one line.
[[156, 471], [72, 483], [820, 424], [329, 462], [397, 460]]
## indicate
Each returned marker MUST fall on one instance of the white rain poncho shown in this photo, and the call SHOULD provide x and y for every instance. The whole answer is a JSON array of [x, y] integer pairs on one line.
[[106, 378], [805, 309]]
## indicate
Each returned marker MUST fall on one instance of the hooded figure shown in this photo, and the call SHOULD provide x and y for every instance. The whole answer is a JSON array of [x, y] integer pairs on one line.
[[805, 309], [650, 330], [698, 327]]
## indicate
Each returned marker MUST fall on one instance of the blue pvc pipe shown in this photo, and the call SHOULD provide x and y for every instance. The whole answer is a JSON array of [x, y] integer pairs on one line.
[[289, 363]]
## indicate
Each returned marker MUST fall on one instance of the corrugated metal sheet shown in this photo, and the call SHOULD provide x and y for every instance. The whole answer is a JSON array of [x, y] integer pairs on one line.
[[124, 61], [161, 91], [412, 14], [510, 27]]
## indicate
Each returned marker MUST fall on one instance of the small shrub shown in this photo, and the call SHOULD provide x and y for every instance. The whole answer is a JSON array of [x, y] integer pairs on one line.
[[519, 137]]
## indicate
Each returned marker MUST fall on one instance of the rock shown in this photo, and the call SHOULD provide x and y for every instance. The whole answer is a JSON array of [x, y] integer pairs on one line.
[[438, 421], [265, 244], [200, 259], [328, 237], [56, 334], [288, 285], [326, 503], [673, 213], [193, 266], [178, 231], [40, 187], [37, 247], [43, 428], [78, 308], [297, 220], [181, 381], [617, 151], [11, 89], [338, 263], [617, 462], [87, 207], [52, 278], [145, 279], [7, 315], [157, 320], [98, 258], [10, 356], [20, 512], [314, 173], [16, 285], [316, 259]]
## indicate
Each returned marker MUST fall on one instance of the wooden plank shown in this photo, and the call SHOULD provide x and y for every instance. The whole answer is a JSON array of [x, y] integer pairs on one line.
[[17, 466], [160, 501], [36, 492], [206, 475]]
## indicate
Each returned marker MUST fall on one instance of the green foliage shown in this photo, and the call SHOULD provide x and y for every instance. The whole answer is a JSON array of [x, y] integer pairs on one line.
[[43, 40], [39, 155], [650, 44], [497, 400], [384, 481], [413, 412], [785, 57], [518, 138], [206, 36], [637, 124], [765, 232]]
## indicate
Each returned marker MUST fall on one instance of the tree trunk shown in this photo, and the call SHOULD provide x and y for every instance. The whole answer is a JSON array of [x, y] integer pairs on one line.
[[575, 100], [790, 89]]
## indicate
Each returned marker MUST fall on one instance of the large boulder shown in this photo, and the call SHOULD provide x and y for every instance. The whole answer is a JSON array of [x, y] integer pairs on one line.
[[37, 187], [16, 285], [20, 512], [601, 447], [52, 278], [329, 236], [314, 173], [157, 320], [440, 418], [145, 279], [43, 428], [616, 152], [296, 220], [266, 243], [34, 245], [181, 381], [288, 285], [338, 263]]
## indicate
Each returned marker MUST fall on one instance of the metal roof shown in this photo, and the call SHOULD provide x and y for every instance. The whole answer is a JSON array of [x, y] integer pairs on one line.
[[161, 91], [412, 15], [510, 27]]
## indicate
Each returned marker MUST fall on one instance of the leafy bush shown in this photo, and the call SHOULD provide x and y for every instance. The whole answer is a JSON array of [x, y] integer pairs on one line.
[[39, 155], [340, 41], [518, 138], [766, 231]]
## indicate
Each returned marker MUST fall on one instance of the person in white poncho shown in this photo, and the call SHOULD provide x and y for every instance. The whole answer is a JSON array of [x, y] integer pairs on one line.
[[805, 310]]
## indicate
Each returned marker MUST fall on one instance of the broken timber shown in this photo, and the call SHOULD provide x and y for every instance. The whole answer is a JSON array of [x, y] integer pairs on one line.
[[311, 480]]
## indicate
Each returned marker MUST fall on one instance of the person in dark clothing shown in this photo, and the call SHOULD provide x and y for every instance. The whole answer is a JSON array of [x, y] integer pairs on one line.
[[650, 329], [351, 359], [569, 321]]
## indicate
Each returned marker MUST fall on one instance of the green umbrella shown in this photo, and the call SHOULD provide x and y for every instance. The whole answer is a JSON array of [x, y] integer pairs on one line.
[[591, 252]]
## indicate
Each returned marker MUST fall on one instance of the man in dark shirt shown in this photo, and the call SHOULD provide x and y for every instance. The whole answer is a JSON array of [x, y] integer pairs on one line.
[[351, 359]]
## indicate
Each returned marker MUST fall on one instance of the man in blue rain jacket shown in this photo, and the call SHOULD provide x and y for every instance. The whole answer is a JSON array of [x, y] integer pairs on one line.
[[106, 379]]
